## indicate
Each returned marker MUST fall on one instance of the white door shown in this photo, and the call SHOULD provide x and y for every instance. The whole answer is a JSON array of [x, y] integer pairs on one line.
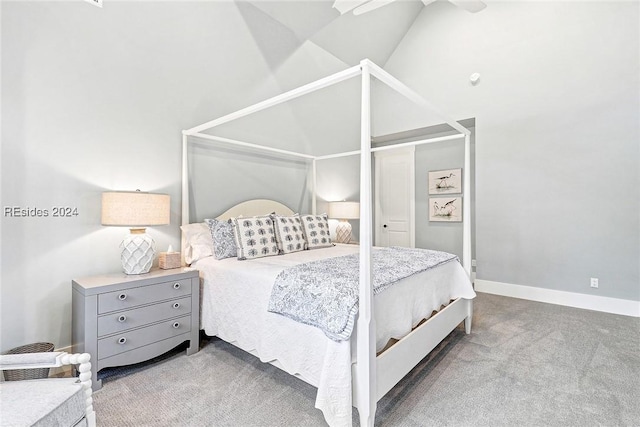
[[395, 197]]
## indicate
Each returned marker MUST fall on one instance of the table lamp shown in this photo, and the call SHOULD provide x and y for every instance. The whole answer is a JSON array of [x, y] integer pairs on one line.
[[344, 211], [137, 210]]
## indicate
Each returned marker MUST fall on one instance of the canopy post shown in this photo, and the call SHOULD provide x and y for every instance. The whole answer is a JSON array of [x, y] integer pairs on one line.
[[314, 176], [185, 180], [366, 367], [466, 207], [185, 193]]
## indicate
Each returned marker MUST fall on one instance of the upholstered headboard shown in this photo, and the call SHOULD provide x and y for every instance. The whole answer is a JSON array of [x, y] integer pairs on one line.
[[254, 208], [249, 208]]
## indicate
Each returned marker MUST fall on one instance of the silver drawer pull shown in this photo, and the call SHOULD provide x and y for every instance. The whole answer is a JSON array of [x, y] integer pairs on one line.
[[176, 325], [122, 340], [176, 305], [122, 318], [122, 297], [176, 285]]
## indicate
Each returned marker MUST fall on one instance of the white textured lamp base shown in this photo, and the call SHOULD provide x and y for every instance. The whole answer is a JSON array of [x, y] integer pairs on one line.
[[138, 251], [343, 232]]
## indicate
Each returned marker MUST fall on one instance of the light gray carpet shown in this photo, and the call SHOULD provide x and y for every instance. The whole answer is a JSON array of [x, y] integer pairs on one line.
[[525, 364]]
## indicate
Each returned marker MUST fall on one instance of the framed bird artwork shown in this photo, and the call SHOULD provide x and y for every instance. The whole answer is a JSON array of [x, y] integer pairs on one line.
[[448, 181], [445, 209]]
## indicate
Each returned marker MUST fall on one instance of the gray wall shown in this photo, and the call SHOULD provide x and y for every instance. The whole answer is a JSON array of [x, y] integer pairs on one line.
[[95, 99], [221, 178], [436, 235], [440, 235], [558, 124]]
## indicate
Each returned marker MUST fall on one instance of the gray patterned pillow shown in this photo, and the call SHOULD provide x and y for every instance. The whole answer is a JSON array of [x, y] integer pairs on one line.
[[224, 242], [255, 237], [289, 233], [316, 231]]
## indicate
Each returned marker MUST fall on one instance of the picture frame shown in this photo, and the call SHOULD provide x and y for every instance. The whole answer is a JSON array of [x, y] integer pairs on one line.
[[445, 209], [446, 181]]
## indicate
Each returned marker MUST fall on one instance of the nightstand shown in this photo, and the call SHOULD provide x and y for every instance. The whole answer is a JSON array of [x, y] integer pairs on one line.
[[123, 319]]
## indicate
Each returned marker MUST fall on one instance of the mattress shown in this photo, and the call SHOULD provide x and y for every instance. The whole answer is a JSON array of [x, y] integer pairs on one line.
[[235, 295]]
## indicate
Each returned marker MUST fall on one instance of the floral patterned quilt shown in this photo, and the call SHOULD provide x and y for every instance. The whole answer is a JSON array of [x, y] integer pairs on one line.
[[324, 293]]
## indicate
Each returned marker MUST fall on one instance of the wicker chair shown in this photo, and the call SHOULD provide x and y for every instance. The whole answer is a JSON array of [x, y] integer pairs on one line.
[[48, 401]]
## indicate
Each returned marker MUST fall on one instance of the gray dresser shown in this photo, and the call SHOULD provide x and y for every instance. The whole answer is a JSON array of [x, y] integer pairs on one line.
[[122, 319]]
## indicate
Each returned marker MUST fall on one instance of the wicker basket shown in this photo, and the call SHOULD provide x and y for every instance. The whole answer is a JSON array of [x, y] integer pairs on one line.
[[28, 374], [169, 260]]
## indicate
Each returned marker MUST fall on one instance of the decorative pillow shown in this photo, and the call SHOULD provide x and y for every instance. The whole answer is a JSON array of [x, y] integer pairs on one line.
[[289, 233], [316, 231], [255, 237], [197, 242], [224, 242]]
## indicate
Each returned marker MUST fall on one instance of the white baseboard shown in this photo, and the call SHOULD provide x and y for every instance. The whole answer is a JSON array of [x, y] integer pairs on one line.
[[569, 299]]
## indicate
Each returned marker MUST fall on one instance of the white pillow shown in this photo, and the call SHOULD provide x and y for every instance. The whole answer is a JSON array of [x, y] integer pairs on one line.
[[198, 242]]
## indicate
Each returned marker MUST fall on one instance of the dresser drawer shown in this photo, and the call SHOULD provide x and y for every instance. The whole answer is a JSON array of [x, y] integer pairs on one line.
[[140, 337], [137, 317], [127, 298]]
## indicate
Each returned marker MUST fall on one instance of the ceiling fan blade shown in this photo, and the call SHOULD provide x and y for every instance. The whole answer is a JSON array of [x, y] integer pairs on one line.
[[472, 6], [371, 5], [345, 6]]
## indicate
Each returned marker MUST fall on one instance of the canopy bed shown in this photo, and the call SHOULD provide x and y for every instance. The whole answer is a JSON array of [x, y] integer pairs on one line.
[[372, 367]]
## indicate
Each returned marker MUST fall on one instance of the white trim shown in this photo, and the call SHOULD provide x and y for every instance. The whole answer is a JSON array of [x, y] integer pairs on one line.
[[569, 299]]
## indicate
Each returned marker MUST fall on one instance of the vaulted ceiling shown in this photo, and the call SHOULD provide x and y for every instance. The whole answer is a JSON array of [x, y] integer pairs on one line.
[[304, 40], [349, 38]]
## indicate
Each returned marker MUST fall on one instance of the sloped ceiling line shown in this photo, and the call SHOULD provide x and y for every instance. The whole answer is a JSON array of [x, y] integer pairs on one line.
[[350, 38], [301, 41]]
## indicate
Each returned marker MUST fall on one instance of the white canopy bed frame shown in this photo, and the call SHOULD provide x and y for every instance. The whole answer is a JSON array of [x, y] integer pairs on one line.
[[372, 376]]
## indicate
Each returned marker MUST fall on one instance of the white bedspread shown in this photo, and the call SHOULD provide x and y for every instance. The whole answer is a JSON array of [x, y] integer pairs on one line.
[[235, 296]]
